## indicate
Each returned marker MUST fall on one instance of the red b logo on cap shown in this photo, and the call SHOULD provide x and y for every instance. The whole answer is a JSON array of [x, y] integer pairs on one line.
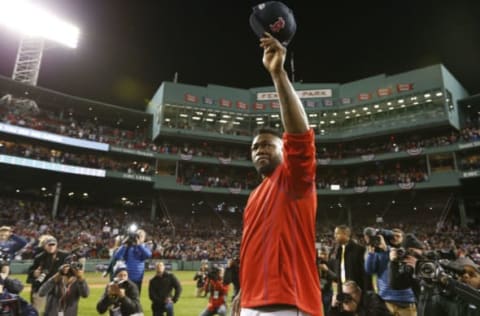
[[278, 25]]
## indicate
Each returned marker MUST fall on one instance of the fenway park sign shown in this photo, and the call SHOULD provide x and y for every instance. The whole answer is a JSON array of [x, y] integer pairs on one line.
[[302, 94]]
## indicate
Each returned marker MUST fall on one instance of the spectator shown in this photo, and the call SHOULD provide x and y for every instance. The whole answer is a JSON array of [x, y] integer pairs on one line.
[[160, 291]]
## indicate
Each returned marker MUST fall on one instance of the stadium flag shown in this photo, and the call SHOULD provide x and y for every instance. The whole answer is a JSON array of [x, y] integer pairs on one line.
[[401, 87], [324, 162], [327, 102], [235, 190], [275, 105], [383, 92], [208, 100], [362, 189], [369, 157], [225, 161], [414, 151], [242, 105], [186, 157], [196, 187], [346, 100], [258, 106], [225, 103], [364, 96], [406, 186], [310, 104], [190, 98]]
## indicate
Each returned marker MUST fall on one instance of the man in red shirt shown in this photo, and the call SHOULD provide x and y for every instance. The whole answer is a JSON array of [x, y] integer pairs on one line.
[[278, 274]]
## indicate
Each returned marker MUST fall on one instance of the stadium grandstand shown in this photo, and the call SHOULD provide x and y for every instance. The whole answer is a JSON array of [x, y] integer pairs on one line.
[[391, 149]]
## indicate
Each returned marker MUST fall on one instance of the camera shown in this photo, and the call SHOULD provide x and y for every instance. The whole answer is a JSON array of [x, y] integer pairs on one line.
[[132, 235], [343, 298], [374, 236], [41, 278], [4, 259]]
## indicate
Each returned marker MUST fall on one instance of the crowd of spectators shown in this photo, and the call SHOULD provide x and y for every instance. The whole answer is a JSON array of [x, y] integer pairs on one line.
[[42, 153], [195, 238], [68, 123]]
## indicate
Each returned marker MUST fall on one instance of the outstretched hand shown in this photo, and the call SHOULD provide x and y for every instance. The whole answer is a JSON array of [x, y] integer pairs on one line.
[[273, 53]]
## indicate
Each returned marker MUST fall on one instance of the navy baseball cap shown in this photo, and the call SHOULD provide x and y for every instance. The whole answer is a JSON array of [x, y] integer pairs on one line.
[[275, 18]]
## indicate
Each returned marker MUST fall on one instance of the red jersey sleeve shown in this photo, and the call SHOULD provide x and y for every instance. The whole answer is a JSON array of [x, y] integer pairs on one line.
[[299, 161]]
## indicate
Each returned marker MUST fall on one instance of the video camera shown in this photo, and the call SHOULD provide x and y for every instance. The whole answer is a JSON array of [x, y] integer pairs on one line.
[[4, 258], [132, 235], [374, 236]]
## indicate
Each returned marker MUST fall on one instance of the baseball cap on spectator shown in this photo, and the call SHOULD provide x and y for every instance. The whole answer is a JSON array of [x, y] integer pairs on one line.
[[462, 262], [275, 18], [50, 241], [2, 228], [119, 267]]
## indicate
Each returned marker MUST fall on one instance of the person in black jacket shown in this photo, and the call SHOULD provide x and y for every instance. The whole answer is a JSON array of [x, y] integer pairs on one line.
[[356, 302], [121, 296], [160, 291], [348, 260], [44, 266], [327, 277], [232, 275]]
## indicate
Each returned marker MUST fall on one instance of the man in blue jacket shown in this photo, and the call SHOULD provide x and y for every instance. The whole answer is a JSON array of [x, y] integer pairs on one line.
[[10, 244], [134, 253], [399, 302]]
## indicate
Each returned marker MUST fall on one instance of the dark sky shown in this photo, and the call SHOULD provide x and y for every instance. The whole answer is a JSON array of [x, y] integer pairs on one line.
[[127, 48]]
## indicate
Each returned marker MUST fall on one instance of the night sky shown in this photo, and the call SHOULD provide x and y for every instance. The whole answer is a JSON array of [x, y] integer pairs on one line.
[[127, 48]]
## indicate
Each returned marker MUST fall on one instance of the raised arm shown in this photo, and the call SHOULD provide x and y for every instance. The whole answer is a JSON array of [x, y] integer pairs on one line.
[[293, 115]]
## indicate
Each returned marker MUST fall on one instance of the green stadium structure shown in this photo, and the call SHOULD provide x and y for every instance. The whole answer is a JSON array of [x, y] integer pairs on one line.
[[427, 103]]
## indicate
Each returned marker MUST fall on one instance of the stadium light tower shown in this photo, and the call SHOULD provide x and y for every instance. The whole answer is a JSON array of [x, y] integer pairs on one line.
[[37, 25]]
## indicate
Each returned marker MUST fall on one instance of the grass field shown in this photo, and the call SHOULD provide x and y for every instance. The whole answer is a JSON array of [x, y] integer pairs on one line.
[[188, 304]]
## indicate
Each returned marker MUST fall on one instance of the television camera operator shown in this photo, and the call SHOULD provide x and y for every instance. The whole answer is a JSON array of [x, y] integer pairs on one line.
[[64, 289], [217, 292], [379, 244], [352, 301], [134, 252], [410, 267], [45, 264], [460, 278], [121, 296]]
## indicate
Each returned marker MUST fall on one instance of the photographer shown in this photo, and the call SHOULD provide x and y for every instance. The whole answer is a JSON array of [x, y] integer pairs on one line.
[[121, 296], [432, 300], [64, 289], [201, 278], [10, 244], [398, 302], [160, 291], [218, 292], [327, 277], [13, 304], [353, 301], [45, 265], [467, 287], [134, 253]]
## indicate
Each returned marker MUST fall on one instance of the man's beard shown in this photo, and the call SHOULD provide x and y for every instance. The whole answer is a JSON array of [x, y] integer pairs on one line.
[[268, 169]]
